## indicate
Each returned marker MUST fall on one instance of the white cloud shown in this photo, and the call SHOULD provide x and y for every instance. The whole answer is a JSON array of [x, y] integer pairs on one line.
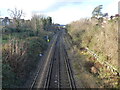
[[68, 14], [64, 14], [26, 5]]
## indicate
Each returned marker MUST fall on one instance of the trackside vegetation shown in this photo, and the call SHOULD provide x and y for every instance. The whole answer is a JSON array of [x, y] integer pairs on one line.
[[21, 45], [101, 39]]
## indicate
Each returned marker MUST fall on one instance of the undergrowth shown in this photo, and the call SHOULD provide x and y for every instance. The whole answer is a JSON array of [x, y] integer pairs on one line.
[[103, 41]]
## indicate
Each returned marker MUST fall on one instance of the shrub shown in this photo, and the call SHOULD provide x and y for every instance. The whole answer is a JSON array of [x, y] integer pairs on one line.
[[86, 33]]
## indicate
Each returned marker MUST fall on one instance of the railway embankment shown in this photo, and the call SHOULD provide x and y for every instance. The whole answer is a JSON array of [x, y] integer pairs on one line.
[[99, 46]]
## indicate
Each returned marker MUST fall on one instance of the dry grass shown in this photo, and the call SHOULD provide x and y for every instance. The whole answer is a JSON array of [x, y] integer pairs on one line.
[[102, 40]]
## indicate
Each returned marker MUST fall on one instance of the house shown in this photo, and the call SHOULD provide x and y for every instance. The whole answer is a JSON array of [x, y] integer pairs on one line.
[[115, 16], [4, 21]]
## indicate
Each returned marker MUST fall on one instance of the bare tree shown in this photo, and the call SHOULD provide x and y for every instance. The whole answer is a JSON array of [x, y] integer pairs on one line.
[[16, 15], [37, 23]]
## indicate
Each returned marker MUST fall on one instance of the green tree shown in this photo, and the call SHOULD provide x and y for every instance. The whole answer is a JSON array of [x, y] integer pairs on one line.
[[97, 11], [47, 23], [49, 19]]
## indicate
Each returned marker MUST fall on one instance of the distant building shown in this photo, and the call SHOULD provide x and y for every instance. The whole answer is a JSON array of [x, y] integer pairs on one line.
[[115, 16], [5, 21]]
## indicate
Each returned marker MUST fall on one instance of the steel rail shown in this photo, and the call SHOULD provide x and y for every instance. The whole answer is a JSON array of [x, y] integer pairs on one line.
[[49, 74], [39, 70], [69, 69]]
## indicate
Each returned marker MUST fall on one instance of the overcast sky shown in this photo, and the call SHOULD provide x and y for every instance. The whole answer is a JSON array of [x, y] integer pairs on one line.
[[62, 11]]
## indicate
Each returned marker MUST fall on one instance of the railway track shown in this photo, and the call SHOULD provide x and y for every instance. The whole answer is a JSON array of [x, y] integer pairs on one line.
[[52, 80], [69, 71], [59, 72]]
